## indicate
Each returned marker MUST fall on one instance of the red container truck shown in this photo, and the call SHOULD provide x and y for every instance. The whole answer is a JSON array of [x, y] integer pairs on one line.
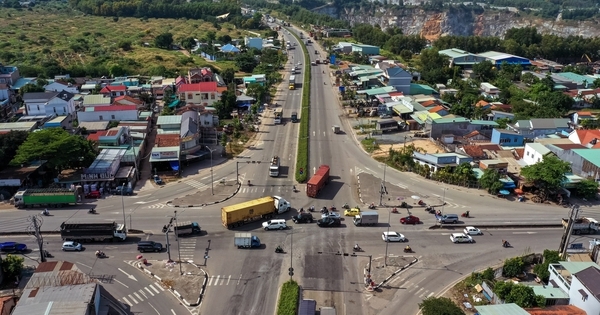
[[318, 181]]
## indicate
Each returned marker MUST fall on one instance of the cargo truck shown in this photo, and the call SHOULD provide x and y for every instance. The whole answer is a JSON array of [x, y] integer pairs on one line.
[[274, 167], [318, 181], [257, 209], [278, 116], [186, 228], [292, 84], [246, 240], [366, 218], [46, 197], [583, 225], [93, 232], [294, 117]]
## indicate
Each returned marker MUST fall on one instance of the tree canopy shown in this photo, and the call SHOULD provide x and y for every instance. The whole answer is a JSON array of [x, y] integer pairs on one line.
[[490, 181], [60, 149], [439, 306], [9, 143], [549, 174]]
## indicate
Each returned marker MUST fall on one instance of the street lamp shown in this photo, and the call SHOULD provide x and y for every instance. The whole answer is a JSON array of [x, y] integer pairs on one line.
[[177, 239], [387, 241], [123, 204], [444, 199], [212, 189]]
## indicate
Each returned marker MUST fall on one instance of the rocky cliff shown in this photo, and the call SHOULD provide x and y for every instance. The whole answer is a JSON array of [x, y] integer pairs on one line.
[[432, 25]]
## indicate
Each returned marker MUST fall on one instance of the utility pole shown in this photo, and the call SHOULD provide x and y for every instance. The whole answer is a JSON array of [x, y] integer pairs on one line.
[[564, 243], [36, 224], [382, 189], [166, 230], [177, 239]]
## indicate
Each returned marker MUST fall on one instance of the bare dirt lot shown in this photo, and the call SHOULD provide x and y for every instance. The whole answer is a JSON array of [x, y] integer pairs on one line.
[[426, 145]]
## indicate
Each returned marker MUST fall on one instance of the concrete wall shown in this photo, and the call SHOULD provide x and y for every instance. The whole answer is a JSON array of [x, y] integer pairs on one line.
[[590, 304]]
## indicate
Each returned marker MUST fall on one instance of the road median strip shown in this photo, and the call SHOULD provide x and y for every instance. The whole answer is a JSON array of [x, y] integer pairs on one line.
[[494, 226], [288, 298]]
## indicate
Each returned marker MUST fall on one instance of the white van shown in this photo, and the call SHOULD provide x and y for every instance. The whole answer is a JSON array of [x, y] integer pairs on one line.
[[461, 238], [278, 224]]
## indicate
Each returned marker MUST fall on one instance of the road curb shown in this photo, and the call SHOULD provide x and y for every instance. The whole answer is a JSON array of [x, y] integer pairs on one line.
[[133, 232], [396, 273], [494, 226], [177, 294], [239, 186]]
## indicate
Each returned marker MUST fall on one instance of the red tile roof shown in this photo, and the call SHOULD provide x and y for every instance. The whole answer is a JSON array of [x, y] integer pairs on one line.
[[474, 151], [569, 146], [126, 98], [198, 87], [396, 94], [114, 108], [584, 113], [586, 136], [520, 153], [167, 140], [429, 103], [436, 109], [221, 89], [111, 88], [481, 103], [557, 310], [471, 134]]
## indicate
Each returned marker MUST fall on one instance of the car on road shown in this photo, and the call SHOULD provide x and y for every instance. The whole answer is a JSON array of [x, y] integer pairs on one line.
[[278, 224], [471, 230], [461, 238], [393, 237], [303, 217], [329, 222], [331, 214], [352, 212], [71, 246], [411, 219], [12, 247]]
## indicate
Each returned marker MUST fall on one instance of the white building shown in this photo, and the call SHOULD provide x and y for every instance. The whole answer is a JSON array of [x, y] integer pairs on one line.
[[534, 153], [58, 86], [49, 103], [581, 280], [108, 113]]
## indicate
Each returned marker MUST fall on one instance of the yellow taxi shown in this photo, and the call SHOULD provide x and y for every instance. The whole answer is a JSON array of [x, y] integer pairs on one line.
[[351, 212]]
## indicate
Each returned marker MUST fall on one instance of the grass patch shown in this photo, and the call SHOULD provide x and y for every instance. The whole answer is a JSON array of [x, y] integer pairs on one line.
[[370, 145], [288, 298], [303, 148]]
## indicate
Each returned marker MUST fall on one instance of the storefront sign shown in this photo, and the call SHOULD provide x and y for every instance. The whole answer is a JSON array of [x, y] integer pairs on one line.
[[164, 155], [96, 176], [10, 182]]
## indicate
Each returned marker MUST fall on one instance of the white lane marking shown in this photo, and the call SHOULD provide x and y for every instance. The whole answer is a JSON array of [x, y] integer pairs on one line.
[[134, 300], [210, 280], [121, 283], [149, 291], [84, 265], [126, 301], [154, 308], [228, 279], [430, 294], [137, 296], [239, 279], [162, 289], [172, 311], [524, 233], [153, 288]]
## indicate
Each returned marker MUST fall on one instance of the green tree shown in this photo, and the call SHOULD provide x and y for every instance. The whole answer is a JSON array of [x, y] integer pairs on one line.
[[596, 83], [167, 111], [434, 67], [9, 143], [257, 91], [548, 174], [58, 147], [12, 265], [541, 270], [164, 40], [484, 71], [522, 295], [223, 139], [490, 181], [30, 88], [228, 75], [513, 267], [503, 122], [439, 306], [502, 289], [587, 188], [188, 43], [246, 62]]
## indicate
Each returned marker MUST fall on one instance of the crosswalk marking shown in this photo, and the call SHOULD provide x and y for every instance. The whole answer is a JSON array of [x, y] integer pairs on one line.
[[137, 296], [142, 293], [127, 301], [154, 289], [196, 184], [134, 300], [149, 291], [157, 206], [222, 280]]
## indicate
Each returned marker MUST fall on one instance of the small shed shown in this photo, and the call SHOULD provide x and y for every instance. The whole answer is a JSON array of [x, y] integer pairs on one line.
[[387, 125]]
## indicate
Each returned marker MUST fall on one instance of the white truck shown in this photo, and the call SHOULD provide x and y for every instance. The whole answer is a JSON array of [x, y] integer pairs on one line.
[[582, 225], [246, 240], [274, 167], [366, 218]]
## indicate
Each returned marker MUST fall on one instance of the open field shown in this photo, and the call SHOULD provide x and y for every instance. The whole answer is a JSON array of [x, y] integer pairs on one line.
[[425, 145], [37, 36]]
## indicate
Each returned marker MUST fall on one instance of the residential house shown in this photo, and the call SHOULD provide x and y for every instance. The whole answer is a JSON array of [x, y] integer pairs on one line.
[[385, 125], [190, 133], [507, 138], [456, 125], [489, 90], [578, 117], [28, 126], [534, 153], [495, 309], [96, 100], [538, 127], [587, 138], [367, 50], [544, 65], [437, 161], [65, 122], [343, 47], [416, 89], [203, 93], [128, 100], [495, 115], [461, 58], [474, 151], [198, 75], [114, 90], [59, 287], [49, 103], [9, 75], [497, 58], [398, 78], [59, 86], [230, 49], [253, 42], [583, 98], [581, 280], [102, 113], [255, 78]]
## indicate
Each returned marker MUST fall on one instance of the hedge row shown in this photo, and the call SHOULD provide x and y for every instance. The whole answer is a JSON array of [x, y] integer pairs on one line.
[[288, 298], [302, 158]]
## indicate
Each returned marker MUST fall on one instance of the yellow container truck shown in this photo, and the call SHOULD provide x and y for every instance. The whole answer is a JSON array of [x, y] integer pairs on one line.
[[249, 211]]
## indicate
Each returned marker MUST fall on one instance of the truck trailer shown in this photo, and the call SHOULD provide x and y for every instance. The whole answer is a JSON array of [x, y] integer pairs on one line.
[[274, 167], [292, 82], [582, 225], [249, 211], [366, 218], [93, 232], [246, 240], [318, 181], [186, 228], [46, 197]]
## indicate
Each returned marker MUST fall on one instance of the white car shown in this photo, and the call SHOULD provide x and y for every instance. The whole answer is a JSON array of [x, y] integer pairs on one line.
[[331, 214], [471, 230], [71, 246], [393, 237], [461, 238], [277, 224]]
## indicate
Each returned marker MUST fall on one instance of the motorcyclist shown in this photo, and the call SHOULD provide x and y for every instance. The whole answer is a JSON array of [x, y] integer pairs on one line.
[[407, 248], [301, 210], [98, 253], [279, 249], [356, 247], [46, 212], [248, 182], [294, 187]]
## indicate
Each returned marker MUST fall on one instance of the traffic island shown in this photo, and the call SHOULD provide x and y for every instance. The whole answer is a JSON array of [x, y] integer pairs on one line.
[[187, 283], [219, 192], [383, 273], [369, 192]]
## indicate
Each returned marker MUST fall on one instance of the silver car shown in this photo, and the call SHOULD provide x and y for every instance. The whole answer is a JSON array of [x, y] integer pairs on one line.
[[71, 246]]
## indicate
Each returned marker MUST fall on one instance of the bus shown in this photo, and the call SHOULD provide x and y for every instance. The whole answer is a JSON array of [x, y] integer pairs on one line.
[[292, 84], [278, 115]]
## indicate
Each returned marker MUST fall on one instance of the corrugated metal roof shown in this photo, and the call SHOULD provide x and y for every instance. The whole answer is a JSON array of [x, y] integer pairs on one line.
[[591, 155], [501, 309], [89, 100], [62, 300], [549, 292], [169, 120]]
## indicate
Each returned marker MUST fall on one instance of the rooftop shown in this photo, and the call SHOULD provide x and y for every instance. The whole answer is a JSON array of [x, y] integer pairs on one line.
[[198, 87], [169, 120], [46, 96], [495, 55], [538, 147], [501, 309], [454, 52], [592, 156], [91, 100], [557, 310], [549, 292], [111, 108], [590, 278], [58, 300]]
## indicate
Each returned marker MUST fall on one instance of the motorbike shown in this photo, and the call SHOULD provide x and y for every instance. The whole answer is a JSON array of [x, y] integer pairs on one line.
[[279, 250], [407, 249], [421, 203], [46, 213], [92, 211], [357, 249], [324, 210], [311, 209], [372, 206], [465, 214], [294, 189], [506, 244], [346, 206], [249, 184], [101, 255], [47, 254], [332, 208], [395, 210]]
